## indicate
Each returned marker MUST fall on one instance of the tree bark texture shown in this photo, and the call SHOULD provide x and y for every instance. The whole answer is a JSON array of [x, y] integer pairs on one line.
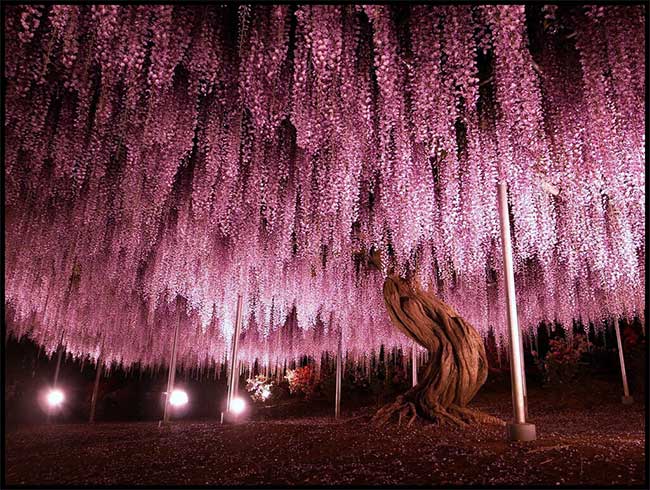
[[457, 366]]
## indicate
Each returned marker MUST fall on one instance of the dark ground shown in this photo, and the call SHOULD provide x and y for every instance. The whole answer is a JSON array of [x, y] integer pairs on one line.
[[585, 437]]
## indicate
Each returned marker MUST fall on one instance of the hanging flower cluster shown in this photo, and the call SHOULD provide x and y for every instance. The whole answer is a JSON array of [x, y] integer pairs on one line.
[[161, 160]]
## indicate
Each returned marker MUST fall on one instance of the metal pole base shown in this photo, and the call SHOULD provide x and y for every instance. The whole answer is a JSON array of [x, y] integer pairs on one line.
[[229, 418], [521, 432], [627, 400]]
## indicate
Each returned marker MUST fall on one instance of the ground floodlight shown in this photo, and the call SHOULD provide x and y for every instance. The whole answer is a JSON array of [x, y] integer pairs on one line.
[[55, 397], [178, 398], [237, 405]]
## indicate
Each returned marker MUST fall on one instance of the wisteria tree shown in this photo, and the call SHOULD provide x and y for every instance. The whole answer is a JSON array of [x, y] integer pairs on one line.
[[157, 152], [457, 366]]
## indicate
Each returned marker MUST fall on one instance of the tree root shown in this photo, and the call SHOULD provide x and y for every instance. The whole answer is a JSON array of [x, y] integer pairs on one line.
[[401, 407], [454, 415], [471, 416]]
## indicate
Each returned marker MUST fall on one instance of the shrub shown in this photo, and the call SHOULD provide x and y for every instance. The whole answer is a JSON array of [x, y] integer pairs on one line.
[[357, 379], [302, 381], [259, 388], [562, 363]]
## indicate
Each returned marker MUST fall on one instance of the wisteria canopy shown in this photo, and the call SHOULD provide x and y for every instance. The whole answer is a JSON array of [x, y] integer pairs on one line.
[[162, 159]]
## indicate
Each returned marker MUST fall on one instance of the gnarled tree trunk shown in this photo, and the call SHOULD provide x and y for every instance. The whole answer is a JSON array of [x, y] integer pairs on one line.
[[457, 365]]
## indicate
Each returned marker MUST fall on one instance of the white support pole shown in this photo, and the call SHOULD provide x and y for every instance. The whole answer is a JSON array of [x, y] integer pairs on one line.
[[523, 373], [337, 400], [58, 361], [626, 398], [369, 374], [414, 365], [234, 365], [518, 430], [172, 369], [499, 355], [93, 400], [56, 372], [58, 366]]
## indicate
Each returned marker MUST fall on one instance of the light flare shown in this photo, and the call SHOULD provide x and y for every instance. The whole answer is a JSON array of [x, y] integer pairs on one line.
[[237, 405], [55, 398], [178, 398]]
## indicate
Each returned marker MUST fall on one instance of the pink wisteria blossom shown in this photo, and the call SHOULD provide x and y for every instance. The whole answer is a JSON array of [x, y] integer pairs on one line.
[[161, 160]]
